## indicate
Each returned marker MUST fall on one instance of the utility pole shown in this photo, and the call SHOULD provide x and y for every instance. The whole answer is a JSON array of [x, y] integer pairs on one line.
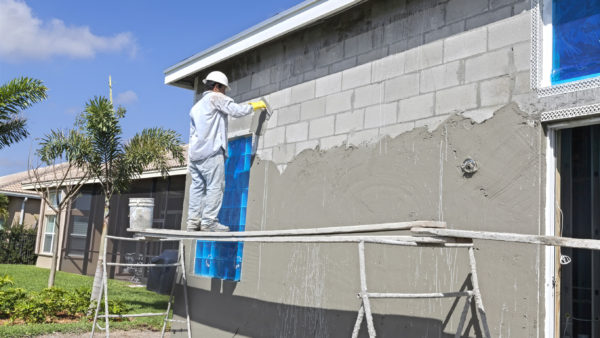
[[110, 88]]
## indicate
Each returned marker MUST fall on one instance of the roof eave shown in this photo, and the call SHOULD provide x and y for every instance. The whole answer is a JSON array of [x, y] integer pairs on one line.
[[284, 23], [19, 194], [175, 171]]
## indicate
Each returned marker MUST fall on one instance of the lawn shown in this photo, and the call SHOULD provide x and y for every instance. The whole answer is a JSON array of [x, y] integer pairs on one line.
[[35, 279]]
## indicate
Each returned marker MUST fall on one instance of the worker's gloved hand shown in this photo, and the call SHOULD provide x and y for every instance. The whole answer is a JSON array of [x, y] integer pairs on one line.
[[258, 105]]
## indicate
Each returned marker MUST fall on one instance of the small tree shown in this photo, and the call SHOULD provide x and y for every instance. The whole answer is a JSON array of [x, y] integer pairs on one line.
[[4, 201], [114, 163], [62, 175], [15, 96]]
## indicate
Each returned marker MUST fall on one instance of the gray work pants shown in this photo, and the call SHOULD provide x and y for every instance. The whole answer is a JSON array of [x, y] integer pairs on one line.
[[206, 190]]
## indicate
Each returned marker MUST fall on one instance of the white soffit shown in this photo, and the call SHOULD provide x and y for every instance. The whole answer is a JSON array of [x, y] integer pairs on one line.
[[293, 19]]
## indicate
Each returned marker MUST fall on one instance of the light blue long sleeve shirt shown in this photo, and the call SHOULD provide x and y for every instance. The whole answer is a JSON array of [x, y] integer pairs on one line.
[[208, 124]]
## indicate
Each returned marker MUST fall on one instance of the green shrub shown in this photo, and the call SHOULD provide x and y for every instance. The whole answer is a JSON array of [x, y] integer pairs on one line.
[[17, 245], [51, 303], [9, 299], [115, 307], [6, 280], [30, 310], [77, 302]]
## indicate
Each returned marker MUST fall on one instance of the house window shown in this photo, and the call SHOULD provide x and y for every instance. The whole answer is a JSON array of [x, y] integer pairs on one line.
[[566, 46], [221, 259], [579, 201], [576, 39], [53, 197], [79, 222], [49, 233]]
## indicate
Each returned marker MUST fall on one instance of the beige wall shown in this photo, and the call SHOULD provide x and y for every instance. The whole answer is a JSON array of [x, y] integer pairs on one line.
[[32, 210]]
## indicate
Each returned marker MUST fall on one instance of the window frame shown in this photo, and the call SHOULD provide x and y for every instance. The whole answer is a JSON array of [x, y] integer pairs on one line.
[[47, 233], [71, 223], [53, 200]]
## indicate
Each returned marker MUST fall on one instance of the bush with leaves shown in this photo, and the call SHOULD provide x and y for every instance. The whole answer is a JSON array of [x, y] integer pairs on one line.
[[9, 299], [17, 245], [48, 304]]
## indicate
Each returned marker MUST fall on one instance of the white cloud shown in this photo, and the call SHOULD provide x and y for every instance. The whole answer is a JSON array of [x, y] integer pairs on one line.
[[26, 37], [126, 97]]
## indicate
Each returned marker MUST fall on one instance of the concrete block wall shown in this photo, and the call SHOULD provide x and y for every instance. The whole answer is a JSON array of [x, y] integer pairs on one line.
[[472, 73], [368, 32]]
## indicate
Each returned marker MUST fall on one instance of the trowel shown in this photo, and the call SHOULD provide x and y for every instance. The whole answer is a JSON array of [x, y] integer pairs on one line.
[[259, 125]]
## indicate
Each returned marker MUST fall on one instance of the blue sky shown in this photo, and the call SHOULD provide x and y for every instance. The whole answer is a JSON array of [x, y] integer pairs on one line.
[[74, 45]]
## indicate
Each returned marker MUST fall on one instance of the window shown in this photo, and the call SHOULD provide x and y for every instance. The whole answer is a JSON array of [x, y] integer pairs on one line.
[[221, 259], [53, 197], [566, 45], [49, 233], [80, 218], [577, 198], [576, 35]]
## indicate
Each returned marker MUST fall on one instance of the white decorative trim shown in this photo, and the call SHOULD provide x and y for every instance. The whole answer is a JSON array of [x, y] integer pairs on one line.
[[549, 251], [538, 61], [570, 113]]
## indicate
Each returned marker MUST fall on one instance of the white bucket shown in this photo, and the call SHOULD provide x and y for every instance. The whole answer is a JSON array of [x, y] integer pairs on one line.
[[141, 211]]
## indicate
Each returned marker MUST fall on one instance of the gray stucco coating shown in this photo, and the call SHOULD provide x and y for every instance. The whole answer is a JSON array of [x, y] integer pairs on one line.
[[309, 290]]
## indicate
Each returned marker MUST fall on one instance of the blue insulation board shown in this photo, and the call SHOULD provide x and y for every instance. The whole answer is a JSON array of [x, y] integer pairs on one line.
[[576, 40], [221, 259]]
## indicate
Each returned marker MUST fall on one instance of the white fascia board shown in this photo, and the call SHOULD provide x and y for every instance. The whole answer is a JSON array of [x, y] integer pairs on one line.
[[293, 19]]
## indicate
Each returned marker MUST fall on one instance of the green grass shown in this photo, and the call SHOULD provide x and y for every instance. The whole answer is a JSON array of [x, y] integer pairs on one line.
[[35, 279]]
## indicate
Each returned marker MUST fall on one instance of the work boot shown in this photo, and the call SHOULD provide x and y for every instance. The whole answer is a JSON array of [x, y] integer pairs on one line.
[[193, 225], [215, 227]]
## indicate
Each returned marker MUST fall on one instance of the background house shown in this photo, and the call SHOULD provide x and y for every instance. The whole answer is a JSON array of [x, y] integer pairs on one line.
[[377, 106], [80, 231], [24, 205]]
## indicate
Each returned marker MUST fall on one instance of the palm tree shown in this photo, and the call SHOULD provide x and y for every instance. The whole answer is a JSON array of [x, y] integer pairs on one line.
[[114, 163], [15, 96]]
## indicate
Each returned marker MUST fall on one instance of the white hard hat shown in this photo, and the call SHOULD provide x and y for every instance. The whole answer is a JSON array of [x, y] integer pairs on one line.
[[218, 77]]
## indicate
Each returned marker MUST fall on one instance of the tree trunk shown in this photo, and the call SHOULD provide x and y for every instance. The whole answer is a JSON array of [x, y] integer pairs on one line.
[[97, 287], [54, 250]]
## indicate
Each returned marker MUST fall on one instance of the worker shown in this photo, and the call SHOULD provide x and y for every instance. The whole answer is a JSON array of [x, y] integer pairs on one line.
[[208, 149]]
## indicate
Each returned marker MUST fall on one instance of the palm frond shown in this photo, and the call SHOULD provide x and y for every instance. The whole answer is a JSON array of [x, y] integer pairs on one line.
[[103, 128], [150, 149], [19, 94], [15, 96], [71, 146], [12, 131]]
